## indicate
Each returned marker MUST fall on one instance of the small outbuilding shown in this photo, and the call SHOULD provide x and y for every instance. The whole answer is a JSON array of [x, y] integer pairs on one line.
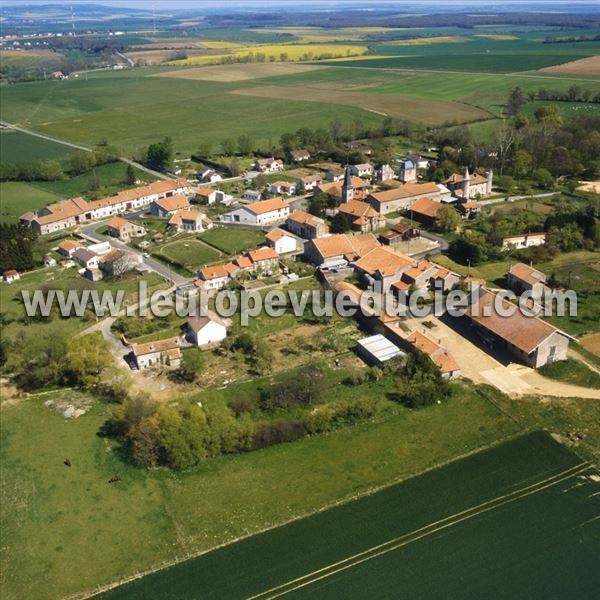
[[376, 350]]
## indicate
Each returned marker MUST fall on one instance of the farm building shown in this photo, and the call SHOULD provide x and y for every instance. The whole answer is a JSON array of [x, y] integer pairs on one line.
[[531, 340], [70, 213], [376, 350], [425, 210], [400, 232], [524, 240], [159, 353], [523, 278]]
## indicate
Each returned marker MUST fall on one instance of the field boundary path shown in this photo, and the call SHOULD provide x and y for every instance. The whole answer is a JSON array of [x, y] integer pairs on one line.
[[526, 74], [43, 136]]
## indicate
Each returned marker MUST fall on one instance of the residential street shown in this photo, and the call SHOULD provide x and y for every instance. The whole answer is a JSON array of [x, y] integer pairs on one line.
[[89, 231]]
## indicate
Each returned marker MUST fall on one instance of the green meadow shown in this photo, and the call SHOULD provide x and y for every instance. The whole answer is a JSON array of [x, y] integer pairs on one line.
[[16, 146], [18, 197]]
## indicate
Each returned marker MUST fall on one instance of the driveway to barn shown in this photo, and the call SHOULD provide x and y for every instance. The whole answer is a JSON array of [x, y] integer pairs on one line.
[[482, 366]]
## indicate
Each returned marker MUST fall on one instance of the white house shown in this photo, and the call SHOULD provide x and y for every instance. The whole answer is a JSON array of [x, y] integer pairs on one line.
[[268, 165], [281, 241], [524, 240], [385, 173], [215, 276], [309, 182], [252, 195], [408, 171], [209, 176], [206, 329], [206, 195], [189, 220], [86, 258], [100, 248], [362, 169], [11, 275], [259, 213], [283, 187]]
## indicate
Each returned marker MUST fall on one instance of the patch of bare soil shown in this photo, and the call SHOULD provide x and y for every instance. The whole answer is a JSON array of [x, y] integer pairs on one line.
[[431, 112], [241, 72], [592, 343], [583, 66]]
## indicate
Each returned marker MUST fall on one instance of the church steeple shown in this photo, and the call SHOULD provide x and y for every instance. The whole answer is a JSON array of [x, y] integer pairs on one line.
[[347, 187], [466, 184]]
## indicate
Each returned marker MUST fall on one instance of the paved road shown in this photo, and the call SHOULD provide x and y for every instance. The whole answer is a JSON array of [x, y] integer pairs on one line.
[[84, 148], [89, 232]]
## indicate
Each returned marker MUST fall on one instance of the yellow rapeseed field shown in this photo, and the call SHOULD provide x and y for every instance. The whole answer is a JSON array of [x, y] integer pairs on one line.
[[426, 41], [497, 36], [277, 52]]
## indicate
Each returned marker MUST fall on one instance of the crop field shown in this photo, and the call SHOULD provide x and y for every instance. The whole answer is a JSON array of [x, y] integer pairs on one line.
[[526, 505], [474, 54], [431, 112], [242, 72], [583, 66], [189, 252], [233, 240], [274, 52], [87, 111]]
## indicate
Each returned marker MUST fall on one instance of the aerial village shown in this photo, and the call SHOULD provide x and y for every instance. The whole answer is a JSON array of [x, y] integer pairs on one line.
[[377, 232]]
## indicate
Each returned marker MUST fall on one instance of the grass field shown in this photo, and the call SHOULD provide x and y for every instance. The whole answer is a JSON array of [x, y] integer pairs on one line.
[[18, 198], [526, 505], [16, 146], [572, 371], [189, 253], [233, 240], [57, 278]]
